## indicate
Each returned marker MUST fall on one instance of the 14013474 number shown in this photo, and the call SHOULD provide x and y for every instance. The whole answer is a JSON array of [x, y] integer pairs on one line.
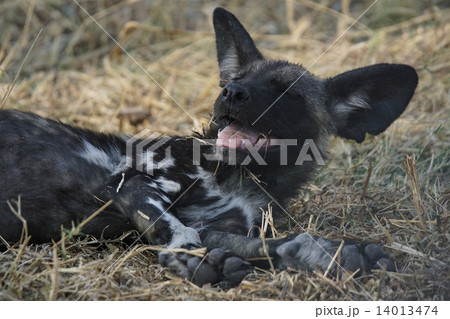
[[406, 310]]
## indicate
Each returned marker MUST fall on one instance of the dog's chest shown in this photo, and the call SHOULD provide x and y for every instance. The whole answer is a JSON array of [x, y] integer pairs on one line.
[[230, 206]]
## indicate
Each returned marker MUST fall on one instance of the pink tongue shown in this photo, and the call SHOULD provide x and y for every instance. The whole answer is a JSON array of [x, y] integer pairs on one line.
[[235, 136]]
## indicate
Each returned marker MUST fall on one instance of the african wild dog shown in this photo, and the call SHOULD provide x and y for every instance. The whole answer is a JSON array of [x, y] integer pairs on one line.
[[63, 173]]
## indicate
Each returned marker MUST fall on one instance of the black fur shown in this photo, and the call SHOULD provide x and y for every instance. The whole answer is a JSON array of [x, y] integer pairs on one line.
[[63, 174]]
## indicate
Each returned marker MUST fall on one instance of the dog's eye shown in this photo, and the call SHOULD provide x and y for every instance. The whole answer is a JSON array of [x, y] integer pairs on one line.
[[238, 76], [278, 85]]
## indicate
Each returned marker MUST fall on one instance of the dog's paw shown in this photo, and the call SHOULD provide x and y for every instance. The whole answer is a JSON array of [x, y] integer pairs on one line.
[[310, 252], [219, 267], [376, 257]]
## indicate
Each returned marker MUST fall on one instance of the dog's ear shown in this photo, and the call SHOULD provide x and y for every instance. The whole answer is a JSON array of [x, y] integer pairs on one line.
[[235, 47], [369, 99]]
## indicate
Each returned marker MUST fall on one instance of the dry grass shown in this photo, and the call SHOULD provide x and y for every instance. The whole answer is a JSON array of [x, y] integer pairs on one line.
[[77, 74]]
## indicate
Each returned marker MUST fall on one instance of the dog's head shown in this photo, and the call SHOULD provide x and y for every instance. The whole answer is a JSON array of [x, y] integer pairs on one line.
[[265, 101]]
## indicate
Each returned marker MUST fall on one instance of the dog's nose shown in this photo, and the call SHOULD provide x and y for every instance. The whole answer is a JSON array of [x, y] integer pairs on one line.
[[234, 93]]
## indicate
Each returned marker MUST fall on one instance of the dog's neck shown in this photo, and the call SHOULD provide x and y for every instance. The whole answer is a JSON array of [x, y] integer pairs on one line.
[[279, 183]]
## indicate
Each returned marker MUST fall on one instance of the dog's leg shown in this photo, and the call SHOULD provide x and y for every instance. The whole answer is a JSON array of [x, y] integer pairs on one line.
[[302, 251], [149, 208]]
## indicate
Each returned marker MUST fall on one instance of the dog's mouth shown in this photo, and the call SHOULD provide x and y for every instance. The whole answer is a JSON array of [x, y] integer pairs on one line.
[[237, 136]]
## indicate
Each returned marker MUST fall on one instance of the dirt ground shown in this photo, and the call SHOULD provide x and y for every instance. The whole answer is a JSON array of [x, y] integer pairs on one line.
[[393, 189]]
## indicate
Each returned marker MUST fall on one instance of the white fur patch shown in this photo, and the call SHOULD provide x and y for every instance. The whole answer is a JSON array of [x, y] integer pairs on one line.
[[97, 156], [165, 198], [121, 167], [248, 203], [155, 203], [230, 63], [168, 186], [203, 175], [358, 100], [145, 162], [152, 185], [355, 101], [181, 234]]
